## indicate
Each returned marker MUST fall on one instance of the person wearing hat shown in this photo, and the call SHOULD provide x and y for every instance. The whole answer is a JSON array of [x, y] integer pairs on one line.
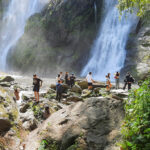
[[37, 83]]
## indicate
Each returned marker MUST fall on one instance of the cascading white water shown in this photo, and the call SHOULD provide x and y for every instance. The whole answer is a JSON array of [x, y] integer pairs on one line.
[[108, 52], [14, 21], [95, 11]]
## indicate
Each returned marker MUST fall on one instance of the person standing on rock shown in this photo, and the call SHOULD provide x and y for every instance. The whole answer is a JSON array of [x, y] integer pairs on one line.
[[58, 91], [128, 81], [90, 80], [72, 80], [108, 83], [37, 83], [67, 78], [117, 76], [57, 78], [61, 77]]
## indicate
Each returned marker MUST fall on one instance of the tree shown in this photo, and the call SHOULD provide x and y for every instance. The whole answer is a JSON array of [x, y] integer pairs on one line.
[[141, 6]]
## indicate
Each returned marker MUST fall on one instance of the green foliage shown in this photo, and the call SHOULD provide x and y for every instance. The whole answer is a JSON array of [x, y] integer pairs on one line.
[[48, 144], [140, 5], [136, 127]]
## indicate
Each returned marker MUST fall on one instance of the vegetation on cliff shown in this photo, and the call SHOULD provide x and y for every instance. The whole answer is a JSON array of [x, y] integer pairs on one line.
[[141, 5], [136, 127]]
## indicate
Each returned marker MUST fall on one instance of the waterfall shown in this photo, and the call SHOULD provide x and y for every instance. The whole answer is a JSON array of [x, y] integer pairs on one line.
[[108, 51], [95, 11], [13, 24]]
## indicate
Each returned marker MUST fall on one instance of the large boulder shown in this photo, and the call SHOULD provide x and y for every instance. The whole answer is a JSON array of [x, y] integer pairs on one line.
[[93, 124], [5, 125], [6, 79], [76, 89], [83, 84]]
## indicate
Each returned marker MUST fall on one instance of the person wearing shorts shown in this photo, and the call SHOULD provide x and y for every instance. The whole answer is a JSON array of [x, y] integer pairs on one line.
[[89, 80], [37, 83]]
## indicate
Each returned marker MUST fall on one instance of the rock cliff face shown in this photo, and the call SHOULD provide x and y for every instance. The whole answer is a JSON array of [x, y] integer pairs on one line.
[[58, 38], [138, 50]]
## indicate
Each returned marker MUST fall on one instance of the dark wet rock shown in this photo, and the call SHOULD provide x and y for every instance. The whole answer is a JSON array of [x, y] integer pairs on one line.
[[27, 96], [5, 125], [5, 84], [6, 79], [24, 108]]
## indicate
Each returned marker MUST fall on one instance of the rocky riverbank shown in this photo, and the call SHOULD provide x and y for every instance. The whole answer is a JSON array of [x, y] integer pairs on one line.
[[87, 120]]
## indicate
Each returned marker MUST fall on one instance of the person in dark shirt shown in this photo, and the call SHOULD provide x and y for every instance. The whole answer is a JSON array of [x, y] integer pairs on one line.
[[72, 80], [37, 83], [128, 81], [58, 91], [67, 78]]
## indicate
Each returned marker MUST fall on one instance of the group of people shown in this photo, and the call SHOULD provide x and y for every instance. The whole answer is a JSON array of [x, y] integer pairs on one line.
[[70, 81], [127, 81]]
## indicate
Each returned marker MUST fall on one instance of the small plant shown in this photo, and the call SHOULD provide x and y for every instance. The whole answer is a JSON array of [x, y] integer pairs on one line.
[[49, 144]]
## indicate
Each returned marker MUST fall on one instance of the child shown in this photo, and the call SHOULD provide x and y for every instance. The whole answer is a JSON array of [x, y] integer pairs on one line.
[[16, 93]]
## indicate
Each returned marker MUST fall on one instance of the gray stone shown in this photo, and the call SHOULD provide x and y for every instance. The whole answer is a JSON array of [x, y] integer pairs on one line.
[[76, 89], [74, 99]]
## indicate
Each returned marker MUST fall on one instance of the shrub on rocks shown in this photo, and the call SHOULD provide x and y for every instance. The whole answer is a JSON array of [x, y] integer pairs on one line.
[[6, 79]]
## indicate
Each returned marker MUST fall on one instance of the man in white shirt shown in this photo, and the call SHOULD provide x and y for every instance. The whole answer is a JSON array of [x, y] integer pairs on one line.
[[89, 80]]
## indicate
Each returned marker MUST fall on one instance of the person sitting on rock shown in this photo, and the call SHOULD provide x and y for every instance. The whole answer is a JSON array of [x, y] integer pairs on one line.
[[72, 80], [89, 80], [117, 76], [37, 83], [58, 91], [67, 80], [46, 113], [16, 93], [108, 83]]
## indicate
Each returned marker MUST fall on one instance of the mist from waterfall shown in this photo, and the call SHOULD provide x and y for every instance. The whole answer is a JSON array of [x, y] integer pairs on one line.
[[108, 51], [13, 24]]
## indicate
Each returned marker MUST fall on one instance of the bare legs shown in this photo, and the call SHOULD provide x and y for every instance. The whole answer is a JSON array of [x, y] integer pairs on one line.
[[36, 95]]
